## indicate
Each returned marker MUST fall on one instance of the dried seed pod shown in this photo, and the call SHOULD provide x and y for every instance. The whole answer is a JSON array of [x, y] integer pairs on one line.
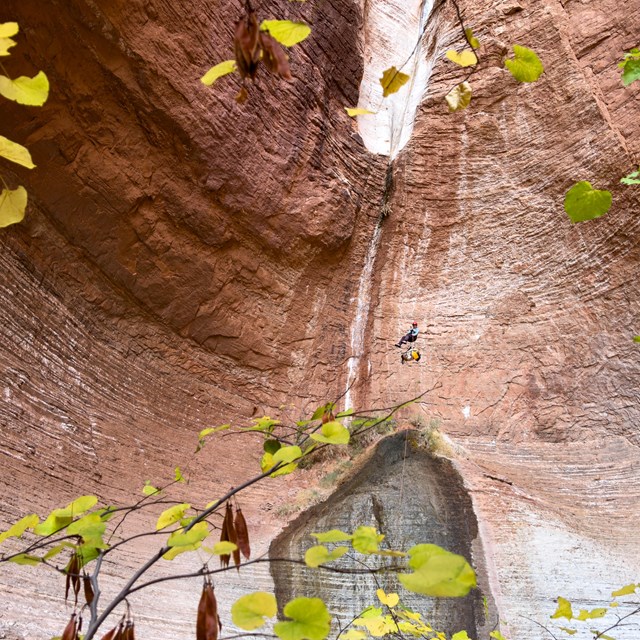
[[242, 533], [245, 43], [88, 589], [71, 630], [224, 537], [208, 623], [73, 577], [328, 416], [129, 631], [232, 533], [274, 57], [114, 634]]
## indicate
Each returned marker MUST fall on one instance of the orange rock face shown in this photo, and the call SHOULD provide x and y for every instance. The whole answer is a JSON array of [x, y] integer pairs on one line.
[[187, 261]]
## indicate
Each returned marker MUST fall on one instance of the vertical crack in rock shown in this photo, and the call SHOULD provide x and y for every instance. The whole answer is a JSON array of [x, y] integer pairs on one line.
[[412, 498], [394, 36]]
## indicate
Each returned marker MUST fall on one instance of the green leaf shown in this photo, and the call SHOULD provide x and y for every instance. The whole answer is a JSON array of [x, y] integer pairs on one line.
[[525, 66], [223, 548], [286, 32], [392, 81], [335, 535], [358, 111], [149, 489], [58, 519], [630, 67], [630, 588], [461, 635], [219, 70], [176, 551], [249, 612], [271, 446], [13, 204], [54, 551], [310, 620], [23, 558], [171, 515], [194, 536], [17, 529], [590, 615], [264, 424], [569, 631], [284, 454], [438, 572], [208, 431], [583, 202], [564, 609], [473, 41], [636, 338], [497, 635], [333, 432], [366, 540], [178, 477], [632, 178], [91, 528], [459, 97], [86, 553], [15, 153], [24, 90], [315, 556], [465, 58], [347, 412]]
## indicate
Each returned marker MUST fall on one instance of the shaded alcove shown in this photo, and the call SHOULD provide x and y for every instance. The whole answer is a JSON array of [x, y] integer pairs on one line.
[[410, 496]]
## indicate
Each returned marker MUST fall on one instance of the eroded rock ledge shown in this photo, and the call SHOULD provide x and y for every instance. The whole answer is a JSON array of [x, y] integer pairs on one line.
[[412, 497]]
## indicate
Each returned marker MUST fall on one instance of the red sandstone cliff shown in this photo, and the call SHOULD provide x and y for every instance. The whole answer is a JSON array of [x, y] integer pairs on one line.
[[186, 261]]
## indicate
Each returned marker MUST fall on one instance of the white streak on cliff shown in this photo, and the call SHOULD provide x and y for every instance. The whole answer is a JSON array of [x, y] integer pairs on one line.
[[393, 28], [362, 313]]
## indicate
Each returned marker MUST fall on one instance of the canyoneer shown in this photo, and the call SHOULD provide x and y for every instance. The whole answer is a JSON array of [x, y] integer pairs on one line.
[[411, 335]]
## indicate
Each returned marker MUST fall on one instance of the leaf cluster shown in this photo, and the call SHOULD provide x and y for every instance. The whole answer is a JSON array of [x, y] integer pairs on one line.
[[27, 91]]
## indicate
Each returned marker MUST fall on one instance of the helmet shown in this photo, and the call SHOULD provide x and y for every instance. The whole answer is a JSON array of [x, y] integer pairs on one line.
[[414, 323]]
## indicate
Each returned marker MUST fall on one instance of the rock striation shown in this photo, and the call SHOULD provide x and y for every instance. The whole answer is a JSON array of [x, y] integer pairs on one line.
[[187, 261]]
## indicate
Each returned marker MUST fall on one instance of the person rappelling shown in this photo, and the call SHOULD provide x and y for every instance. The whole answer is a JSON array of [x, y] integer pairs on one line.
[[411, 335]]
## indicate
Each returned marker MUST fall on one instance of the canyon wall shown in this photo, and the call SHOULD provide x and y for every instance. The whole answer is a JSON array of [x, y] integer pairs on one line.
[[188, 261]]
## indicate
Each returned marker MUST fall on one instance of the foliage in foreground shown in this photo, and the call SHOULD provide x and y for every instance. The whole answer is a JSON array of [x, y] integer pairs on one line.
[[76, 539], [27, 91]]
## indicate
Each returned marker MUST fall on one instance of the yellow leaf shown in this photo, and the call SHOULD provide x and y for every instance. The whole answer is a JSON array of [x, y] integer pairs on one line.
[[626, 590], [8, 29], [12, 206], [392, 80], [459, 97], [5, 45], [564, 609], [221, 69], [171, 515], [473, 41], [24, 90], [464, 58], [352, 112], [286, 32], [15, 153], [390, 599]]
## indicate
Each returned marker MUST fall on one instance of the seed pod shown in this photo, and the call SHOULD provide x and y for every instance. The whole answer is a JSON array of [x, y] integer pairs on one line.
[[71, 630], [114, 634], [208, 622], [73, 577], [88, 589], [245, 44], [224, 537], [274, 57], [129, 631], [328, 416], [242, 533]]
